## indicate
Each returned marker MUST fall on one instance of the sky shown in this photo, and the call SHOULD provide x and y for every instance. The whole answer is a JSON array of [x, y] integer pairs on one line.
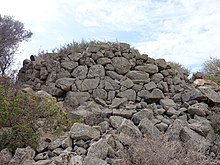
[[183, 31]]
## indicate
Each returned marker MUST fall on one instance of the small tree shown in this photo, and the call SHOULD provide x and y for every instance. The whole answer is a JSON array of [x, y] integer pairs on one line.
[[212, 67], [12, 33]]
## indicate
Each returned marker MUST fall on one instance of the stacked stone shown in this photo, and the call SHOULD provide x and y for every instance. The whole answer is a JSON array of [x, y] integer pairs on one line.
[[134, 96], [107, 73]]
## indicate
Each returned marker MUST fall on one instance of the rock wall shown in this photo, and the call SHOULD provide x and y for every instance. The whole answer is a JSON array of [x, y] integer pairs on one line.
[[103, 72], [136, 96]]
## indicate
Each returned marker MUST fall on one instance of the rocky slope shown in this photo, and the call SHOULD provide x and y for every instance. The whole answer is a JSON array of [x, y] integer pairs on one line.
[[125, 95]]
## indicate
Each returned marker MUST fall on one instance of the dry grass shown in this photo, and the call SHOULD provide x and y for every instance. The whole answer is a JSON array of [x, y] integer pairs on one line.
[[153, 151]]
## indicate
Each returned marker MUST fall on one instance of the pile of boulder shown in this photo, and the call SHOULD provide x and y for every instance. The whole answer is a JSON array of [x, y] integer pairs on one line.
[[131, 95]]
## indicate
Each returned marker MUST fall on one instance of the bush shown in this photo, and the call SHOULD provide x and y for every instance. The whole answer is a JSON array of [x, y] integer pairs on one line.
[[211, 68], [155, 151], [22, 111]]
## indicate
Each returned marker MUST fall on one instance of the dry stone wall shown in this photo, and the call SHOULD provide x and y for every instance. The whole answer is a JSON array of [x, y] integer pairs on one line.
[[108, 73], [137, 96]]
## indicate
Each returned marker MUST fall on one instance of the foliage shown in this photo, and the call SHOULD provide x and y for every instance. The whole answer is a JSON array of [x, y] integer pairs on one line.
[[12, 33], [21, 112], [180, 68], [212, 67], [72, 48], [215, 78]]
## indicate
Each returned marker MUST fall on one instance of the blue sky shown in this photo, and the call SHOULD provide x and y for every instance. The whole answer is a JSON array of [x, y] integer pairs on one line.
[[184, 31]]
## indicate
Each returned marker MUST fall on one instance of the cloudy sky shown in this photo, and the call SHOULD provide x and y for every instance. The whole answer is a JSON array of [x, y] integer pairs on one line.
[[184, 31]]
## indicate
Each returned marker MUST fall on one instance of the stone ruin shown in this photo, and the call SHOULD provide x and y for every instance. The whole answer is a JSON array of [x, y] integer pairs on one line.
[[133, 93], [108, 74]]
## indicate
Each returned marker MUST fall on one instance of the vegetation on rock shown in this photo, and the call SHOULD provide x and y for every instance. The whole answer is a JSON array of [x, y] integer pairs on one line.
[[23, 113]]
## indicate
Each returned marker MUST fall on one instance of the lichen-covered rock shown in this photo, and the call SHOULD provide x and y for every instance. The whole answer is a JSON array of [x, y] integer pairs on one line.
[[99, 149], [69, 65], [148, 68], [22, 155], [138, 76], [130, 94], [89, 84], [5, 156], [199, 109], [100, 93], [83, 132], [96, 71], [76, 98], [161, 63], [121, 65], [80, 72], [93, 161], [147, 127], [145, 113], [167, 103], [128, 128], [65, 83]]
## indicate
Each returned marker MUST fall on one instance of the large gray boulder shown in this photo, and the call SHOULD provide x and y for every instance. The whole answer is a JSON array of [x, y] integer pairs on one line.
[[128, 128], [175, 128], [157, 77], [130, 94], [116, 121], [161, 63], [150, 86], [193, 94], [93, 161], [210, 94], [83, 132], [125, 126], [5, 156], [114, 75], [127, 83], [110, 84], [100, 93], [76, 98], [69, 65], [199, 109], [144, 113], [147, 127], [190, 136], [22, 156], [202, 127], [138, 76], [96, 71], [99, 149], [123, 112], [65, 83], [117, 102], [121, 65], [148, 68], [104, 61], [80, 72], [89, 84], [53, 90], [155, 95], [75, 56], [167, 103]]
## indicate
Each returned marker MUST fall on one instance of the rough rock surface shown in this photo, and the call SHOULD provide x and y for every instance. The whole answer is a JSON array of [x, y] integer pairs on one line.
[[132, 94]]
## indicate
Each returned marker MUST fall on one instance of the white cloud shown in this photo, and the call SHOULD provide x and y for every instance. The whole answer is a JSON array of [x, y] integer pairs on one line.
[[185, 31]]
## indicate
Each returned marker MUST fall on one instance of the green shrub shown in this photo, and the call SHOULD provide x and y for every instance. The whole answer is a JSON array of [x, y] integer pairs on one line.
[[22, 111], [215, 78]]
